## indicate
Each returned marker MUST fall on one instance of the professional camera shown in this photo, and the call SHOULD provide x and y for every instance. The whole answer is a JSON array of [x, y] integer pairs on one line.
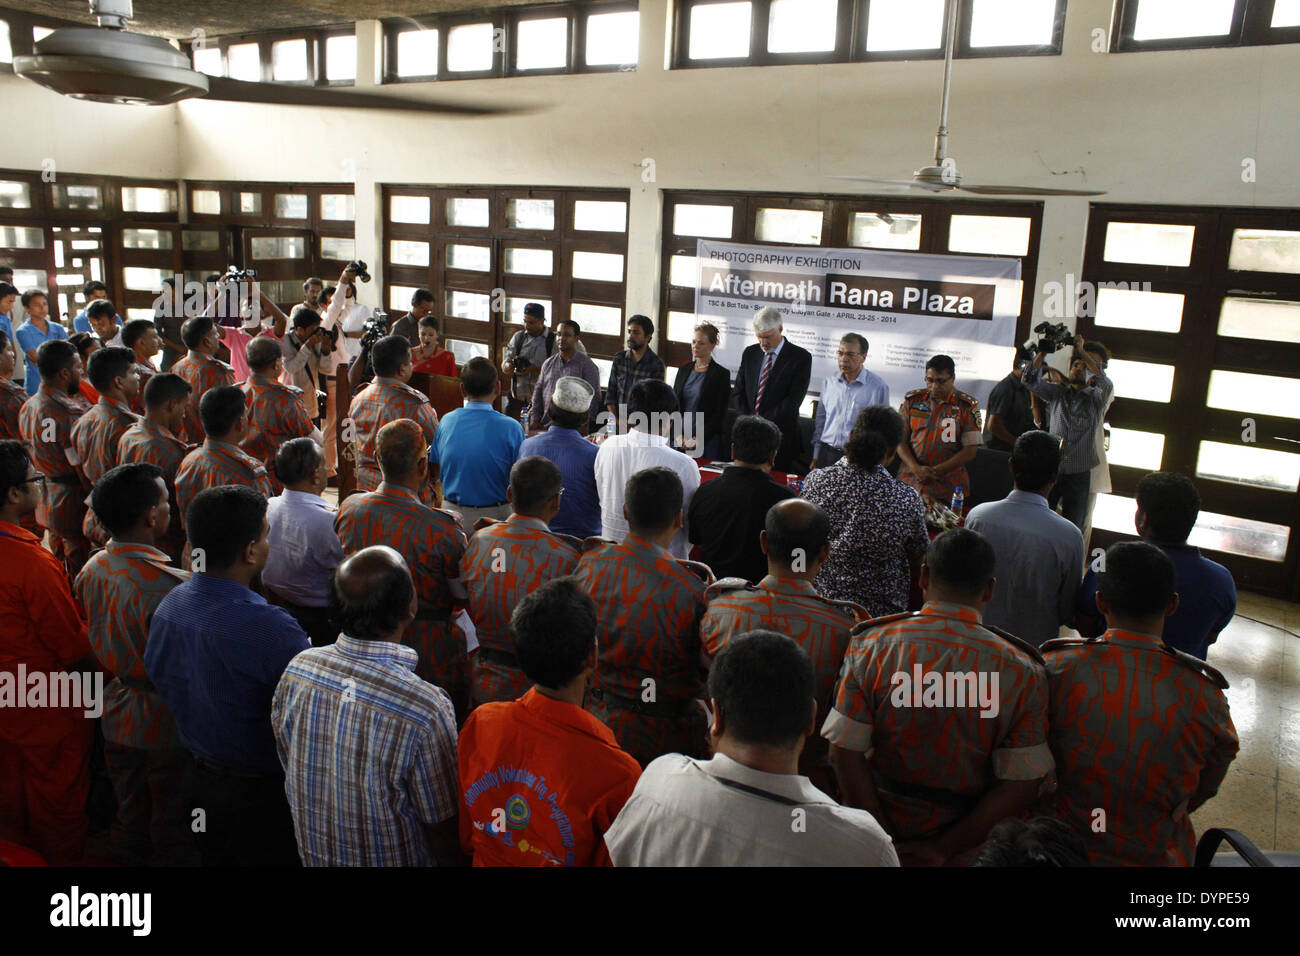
[[328, 335], [359, 269], [236, 274], [1051, 338], [374, 330]]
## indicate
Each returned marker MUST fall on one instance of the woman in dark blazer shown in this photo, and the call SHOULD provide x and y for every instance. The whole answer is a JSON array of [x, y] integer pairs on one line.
[[702, 385]]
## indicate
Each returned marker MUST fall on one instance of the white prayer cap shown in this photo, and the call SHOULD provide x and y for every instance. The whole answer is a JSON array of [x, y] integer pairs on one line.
[[573, 394]]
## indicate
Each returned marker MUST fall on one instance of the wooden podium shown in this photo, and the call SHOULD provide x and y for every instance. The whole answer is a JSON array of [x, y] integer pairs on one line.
[[443, 391]]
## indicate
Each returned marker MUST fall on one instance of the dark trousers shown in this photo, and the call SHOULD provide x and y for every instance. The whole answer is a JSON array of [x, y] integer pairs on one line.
[[316, 621], [153, 807], [245, 818], [1071, 491], [827, 455]]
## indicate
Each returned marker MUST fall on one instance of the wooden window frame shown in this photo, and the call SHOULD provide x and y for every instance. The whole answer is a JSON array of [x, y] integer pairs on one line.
[[1250, 27], [314, 36]]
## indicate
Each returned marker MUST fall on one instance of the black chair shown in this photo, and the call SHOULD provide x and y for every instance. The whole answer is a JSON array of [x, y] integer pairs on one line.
[[1247, 854]]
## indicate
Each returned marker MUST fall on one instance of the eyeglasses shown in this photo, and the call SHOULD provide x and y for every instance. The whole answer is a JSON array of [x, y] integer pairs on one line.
[[843, 354], [38, 478]]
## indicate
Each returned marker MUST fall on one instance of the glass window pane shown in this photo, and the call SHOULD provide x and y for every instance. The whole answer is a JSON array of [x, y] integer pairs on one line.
[[1012, 22], [681, 326], [22, 237], [338, 206], [279, 247], [6, 48], [146, 239], [1213, 532], [205, 202], [1167, 19], [802, 226], [605, 266], [597, 319], [138, 314], [1264, 319], [289, 61], [905, 25], [527, 213], [1136, 449], [1247, 465], [1286, 13], [476, 258], [530, 262], [542, 44], [603, 366], [515, 308], [290, 206], [208, 60], [464, 351], [801, 26], [711, 222], [245, 62], [1265, 250], [148, 199], [399, 297], [77, 197], [1138, 310], [30, 279], [417, 53], [994, 235], [468, 212], [15, 195], [338, 247], [408, 252], [683, 271], [719, 30], [612, 38], [592, 216], [143, 280], [1247, 392], [408, 209], [200, 240], [250, 204], [40, 33], [341, 57], [1149, 243], [885, 230], [469, 48], [468, 305], [1141, 380]]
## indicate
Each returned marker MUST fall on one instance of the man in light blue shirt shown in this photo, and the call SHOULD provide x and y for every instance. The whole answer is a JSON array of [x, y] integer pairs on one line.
[[8, 296], [35, 332], [93, 291], [842, 397], [1039, 553], [562, 443], [474, 448]]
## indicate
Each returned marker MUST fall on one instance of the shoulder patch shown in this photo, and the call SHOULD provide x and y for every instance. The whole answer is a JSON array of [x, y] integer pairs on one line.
[[875, 622], [1012, 639], [914, 393], [1064, 643], [416, 392], [854, 610], [699, 569], [1202, 668], [725, 585], [594, 543], [570, 540]]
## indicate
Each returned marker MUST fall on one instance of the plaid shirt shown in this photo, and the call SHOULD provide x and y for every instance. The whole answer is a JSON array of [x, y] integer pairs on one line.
[[648, 609], [1075, 416], [625, 373], [120, 588], [146, 371], [503, 563], [203, 373], [433, 544], [216, 463], [938, 432], [12, 396], [276, 415], [369, 754], [63, 502], [382, 401], [95, 438], [1143, 733], [932, 759]]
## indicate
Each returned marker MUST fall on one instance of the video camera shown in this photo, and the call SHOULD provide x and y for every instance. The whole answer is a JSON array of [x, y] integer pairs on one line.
[[374, 330], [1051, 338], [358, 268], [236, 274]]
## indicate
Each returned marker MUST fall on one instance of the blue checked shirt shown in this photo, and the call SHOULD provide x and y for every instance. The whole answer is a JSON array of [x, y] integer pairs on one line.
[[369, 754], [837, 411]]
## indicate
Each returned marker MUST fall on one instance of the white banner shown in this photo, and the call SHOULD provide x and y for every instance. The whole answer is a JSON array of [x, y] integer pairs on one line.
[[908, 305]]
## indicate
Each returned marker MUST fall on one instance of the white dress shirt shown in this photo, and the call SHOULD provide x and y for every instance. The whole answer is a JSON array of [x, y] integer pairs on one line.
[[622, 456], [305, 550], [681, 815]]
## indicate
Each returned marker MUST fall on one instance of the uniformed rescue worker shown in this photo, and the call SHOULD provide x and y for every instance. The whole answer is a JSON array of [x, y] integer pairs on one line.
[[96, 434], [220, 460], [276, 413], [942, 434], [155, 439], [202, 369], [142, 338]]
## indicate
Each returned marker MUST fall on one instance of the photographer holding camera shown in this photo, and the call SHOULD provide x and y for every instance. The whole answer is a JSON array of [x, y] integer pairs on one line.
[[1075, 409], [302, 348], [527, 350]]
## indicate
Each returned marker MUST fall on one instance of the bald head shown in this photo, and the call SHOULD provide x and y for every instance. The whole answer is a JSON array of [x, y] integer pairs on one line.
[[374, 596], [399, 449], [262, 354], [796, 538]]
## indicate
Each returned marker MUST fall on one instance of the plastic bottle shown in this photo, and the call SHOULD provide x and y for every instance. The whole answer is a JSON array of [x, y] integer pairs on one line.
[[523, 414], [958, 500]]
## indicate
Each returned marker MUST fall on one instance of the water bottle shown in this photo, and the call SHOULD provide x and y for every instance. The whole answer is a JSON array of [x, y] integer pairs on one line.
[[523, 414], [958, 500]]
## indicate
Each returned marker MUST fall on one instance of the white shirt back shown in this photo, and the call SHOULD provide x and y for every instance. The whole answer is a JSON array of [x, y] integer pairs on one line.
[[622, 456]]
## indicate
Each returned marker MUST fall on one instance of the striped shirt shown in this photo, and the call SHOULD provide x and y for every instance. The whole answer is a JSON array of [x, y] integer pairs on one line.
[[1075, 417], [369, 753]]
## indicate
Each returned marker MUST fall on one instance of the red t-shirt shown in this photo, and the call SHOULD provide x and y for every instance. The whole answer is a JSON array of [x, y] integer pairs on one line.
[[541, 783]]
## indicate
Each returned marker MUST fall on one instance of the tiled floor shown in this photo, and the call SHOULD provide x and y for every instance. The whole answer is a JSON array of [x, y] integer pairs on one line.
[[1261, 794]]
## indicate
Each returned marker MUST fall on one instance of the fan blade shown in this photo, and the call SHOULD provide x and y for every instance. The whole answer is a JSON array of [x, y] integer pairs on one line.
[[909, 183], [242, 91], [1029, 191]]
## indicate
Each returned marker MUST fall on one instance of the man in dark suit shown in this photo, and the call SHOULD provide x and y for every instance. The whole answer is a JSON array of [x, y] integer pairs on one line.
[[772, 382]]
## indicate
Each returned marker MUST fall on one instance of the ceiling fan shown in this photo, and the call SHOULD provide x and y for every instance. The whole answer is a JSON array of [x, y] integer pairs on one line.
[[944, 176], [106, 64]]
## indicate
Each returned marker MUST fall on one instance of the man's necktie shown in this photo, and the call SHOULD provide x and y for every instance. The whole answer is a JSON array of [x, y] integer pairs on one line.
[[762, 380]]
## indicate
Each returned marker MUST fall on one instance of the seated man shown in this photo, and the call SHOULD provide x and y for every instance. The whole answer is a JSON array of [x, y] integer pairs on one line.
[[220, 460], [1140, 731], [389, 805], [562, 443], [1039, 553], [546, 735], [387, 399], [1167, 506], [978, 694], [121, 588], [797, 543], [276, 413], [744, 806], [650, 606], [506, 561], [215, 653], [727, 514]]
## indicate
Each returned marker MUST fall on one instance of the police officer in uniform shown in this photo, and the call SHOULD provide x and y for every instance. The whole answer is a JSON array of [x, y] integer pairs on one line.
[[941, 435]]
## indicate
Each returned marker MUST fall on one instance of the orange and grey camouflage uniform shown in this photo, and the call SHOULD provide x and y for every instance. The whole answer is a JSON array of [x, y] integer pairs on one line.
[[504, 562], [275, 415], [146, 371], [95, 438], [12, 396], [937, 433], [155, 445], [648, 675], [203, 373], [382, 401], [433, 545], [217, 463], [46, 422], [1141, 732], [933, 763]]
